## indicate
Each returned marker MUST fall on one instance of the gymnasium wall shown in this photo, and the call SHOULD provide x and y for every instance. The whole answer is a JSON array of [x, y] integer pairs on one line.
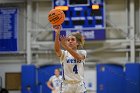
[[10, 68], [115, 16], [115, 13]]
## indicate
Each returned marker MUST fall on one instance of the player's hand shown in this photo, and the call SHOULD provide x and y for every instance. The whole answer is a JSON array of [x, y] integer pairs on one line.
[[53, 89], [63, 40], [57, 28]]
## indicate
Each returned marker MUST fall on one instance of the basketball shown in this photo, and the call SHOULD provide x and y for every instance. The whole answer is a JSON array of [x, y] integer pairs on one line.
[[56, 17]]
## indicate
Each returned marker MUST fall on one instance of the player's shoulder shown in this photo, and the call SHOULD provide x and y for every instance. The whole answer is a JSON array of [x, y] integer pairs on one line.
[[53, 76], [60, 77], [62, 57], [82, 51], [63, 51]]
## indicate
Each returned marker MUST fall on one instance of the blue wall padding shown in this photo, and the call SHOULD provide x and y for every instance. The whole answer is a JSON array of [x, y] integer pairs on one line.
[[28, 78], [132, 78], [37, 78], [44, 73], [110, 78]]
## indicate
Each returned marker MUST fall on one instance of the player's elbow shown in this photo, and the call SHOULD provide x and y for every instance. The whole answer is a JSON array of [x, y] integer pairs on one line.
[[58, 53], [56, 49], [80, 58], [48, 83]]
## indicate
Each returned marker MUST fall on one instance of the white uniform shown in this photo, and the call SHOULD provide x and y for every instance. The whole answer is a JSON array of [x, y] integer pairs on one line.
[[73, 73], [56, 82]]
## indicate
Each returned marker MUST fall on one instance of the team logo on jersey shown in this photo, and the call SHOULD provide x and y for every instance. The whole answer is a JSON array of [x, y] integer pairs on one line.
[[70, 60], [57, 83]]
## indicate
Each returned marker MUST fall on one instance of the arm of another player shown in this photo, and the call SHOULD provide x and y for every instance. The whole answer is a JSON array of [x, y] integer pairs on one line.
[[70, 50], [49, 85], [57, 29]]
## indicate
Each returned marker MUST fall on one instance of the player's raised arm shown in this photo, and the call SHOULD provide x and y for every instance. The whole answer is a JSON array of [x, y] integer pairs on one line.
[[56, 17], [57, 29]]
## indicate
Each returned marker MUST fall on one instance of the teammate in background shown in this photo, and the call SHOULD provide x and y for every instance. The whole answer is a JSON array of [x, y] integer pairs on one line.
[[72, 60], [55, 81]]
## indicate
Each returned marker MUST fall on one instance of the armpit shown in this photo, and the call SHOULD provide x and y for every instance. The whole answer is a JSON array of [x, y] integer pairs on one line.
[[62, 55]]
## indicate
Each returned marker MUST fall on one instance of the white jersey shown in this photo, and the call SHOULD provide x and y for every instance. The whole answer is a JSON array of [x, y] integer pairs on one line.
[[56, 81], [72, 69]]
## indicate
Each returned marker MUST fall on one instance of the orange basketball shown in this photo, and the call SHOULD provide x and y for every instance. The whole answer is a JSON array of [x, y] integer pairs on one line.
[[56, 16]]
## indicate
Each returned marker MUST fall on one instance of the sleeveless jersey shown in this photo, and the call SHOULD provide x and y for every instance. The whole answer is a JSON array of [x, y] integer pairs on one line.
[[72, 68], [56, 81]]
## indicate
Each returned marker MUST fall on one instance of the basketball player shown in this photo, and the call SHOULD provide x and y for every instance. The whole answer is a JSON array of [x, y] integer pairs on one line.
[[55, 81], [72, 60]]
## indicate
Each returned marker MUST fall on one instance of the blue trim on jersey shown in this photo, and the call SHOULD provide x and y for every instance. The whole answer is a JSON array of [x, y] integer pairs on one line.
[[63, 72], [84, 85], [61, 88]]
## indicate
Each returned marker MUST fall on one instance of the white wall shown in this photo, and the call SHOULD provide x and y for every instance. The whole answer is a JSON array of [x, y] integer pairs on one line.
[[116, 15], [7, 68], [90, 78]]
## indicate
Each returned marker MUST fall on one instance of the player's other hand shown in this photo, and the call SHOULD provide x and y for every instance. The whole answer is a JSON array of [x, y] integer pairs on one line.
[[63, 40], [53, 89], [57, 28]]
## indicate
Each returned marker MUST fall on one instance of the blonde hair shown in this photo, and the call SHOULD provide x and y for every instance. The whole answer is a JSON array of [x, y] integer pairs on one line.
[[79, 38]]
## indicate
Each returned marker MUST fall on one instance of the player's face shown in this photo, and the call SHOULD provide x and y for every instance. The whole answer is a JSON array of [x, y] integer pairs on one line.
[[72, 42], [57, 72]]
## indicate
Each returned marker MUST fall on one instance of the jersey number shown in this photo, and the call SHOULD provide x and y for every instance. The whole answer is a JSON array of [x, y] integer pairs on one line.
[[75, 70]]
